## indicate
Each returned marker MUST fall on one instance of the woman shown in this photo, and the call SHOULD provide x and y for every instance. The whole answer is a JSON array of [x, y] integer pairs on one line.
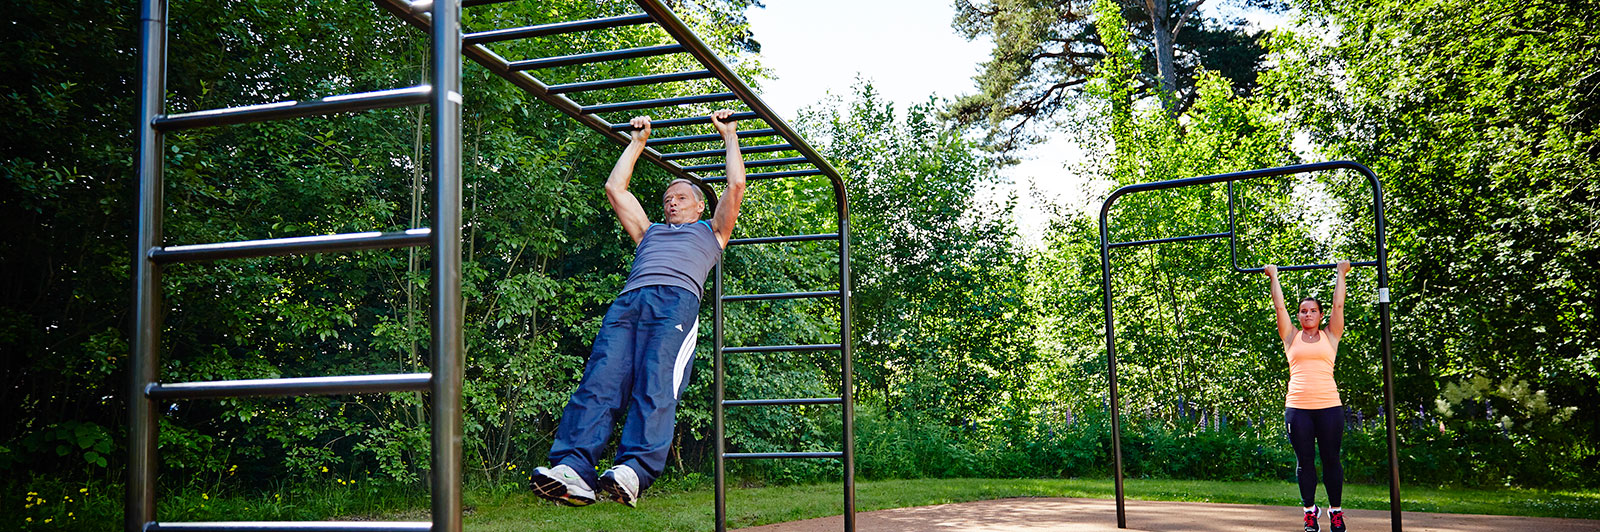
[[1312, 409]]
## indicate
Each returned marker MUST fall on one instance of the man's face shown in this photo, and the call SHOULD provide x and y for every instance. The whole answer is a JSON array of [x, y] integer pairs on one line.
[[681, 204]]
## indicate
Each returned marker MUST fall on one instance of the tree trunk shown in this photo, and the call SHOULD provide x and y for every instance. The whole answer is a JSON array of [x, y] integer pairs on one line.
[[1166, 67]]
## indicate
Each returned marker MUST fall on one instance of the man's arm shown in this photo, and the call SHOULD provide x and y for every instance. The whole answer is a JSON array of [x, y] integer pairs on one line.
[[728, 207], [627, 207]]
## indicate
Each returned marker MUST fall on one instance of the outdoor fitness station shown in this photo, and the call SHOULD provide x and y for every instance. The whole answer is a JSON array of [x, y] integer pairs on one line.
[[443, 96], [1106, 245]]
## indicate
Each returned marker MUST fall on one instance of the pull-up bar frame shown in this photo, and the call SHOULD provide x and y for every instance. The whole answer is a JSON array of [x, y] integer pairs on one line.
[[1382, 263]]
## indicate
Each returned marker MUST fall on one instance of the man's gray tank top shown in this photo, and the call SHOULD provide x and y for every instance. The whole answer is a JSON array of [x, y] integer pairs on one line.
[[675, 255]]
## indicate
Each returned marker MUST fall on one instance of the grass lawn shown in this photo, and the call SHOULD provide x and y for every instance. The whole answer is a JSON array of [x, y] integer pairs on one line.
[[691, 509]]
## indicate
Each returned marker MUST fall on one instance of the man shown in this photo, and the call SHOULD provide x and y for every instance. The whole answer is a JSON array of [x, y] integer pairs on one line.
[[641, 358]]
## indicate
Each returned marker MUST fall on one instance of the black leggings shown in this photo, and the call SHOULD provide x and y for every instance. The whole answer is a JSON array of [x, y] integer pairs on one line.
[[1324, 426]]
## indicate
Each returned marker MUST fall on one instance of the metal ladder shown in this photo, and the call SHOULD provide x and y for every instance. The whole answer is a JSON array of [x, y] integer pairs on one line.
[[443, 96], [802, 161]]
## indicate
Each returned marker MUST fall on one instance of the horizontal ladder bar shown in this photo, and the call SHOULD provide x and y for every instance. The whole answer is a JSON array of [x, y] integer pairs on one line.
[[628, 82], [779, 402], [787, 295], [476, 3], [763, 148], [713, 137], [595, 57], [363, 101], [694, 120], [543, 30], [751, 164], [290, 246], [781, 348], [658, 102], [778, 239], [1299, 267], [295, 526], [342, 385], [1165, 240], [763, 456], [768, 175]]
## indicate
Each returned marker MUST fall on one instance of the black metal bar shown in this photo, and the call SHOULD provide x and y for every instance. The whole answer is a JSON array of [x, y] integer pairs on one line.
[[1383, 303], [543, 30], [787, 295], [296, 526], [634, 81], [781, 402], [139, 495], [353, 384], [447, 309], [658, 102], [718, 432], [768, 456], [1166, 240], [712, 137], [847, 369], [770, 175], [750, 164], [778, 239], [595, 57], [778, 348], [289, 246], [363, 101], [690, 121], [476, 3], [763, 148]]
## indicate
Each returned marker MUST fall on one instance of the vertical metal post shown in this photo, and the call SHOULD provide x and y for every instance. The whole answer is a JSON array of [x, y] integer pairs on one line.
[[847, 371], [1111, 362], [140, 492], [1388, 358], [717, 432], [447, 304]]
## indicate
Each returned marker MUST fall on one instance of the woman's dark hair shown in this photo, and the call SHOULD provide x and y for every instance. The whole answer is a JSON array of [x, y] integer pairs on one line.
[[1314, 300]]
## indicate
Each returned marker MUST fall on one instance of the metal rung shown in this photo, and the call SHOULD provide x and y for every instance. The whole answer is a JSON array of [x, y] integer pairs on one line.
[[476, 3], [787, 295], [628, 82], [672, 122], [768, 175], [295, 526], [1166, 240], [779, 402], [777, 239], [659, 102], [759, 456], [542, 30], [780, 348], [290, 246], [709, 138], [764, 148], [751, 164], [363, 101], [397, 382], [596, 57]]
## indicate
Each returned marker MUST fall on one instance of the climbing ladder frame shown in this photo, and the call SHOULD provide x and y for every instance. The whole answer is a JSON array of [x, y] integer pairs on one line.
[[443, 95], [1382, 264]]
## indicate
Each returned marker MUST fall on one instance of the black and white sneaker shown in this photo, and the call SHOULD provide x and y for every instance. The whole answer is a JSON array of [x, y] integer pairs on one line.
[[562, 485], [1311, 520], [1336, 521], [621, 484]]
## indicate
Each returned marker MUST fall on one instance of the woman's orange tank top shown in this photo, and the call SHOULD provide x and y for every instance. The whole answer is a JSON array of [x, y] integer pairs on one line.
[[1311, 383]]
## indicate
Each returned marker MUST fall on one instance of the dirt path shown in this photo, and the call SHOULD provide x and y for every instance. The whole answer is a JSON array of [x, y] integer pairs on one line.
[[1086, 515]]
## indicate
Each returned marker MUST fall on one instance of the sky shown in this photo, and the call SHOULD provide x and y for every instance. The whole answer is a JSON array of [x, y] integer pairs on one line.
[[909, 52]]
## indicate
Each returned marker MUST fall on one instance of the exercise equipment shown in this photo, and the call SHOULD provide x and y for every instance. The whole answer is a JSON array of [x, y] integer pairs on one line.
[[1382, 263], [441, 20]]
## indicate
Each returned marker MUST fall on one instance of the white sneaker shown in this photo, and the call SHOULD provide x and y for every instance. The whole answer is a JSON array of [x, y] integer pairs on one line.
[[621, 484], [563, 485]]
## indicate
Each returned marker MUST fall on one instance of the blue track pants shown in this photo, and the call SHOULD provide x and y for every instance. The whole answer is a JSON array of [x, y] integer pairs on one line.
[[640, 365]]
